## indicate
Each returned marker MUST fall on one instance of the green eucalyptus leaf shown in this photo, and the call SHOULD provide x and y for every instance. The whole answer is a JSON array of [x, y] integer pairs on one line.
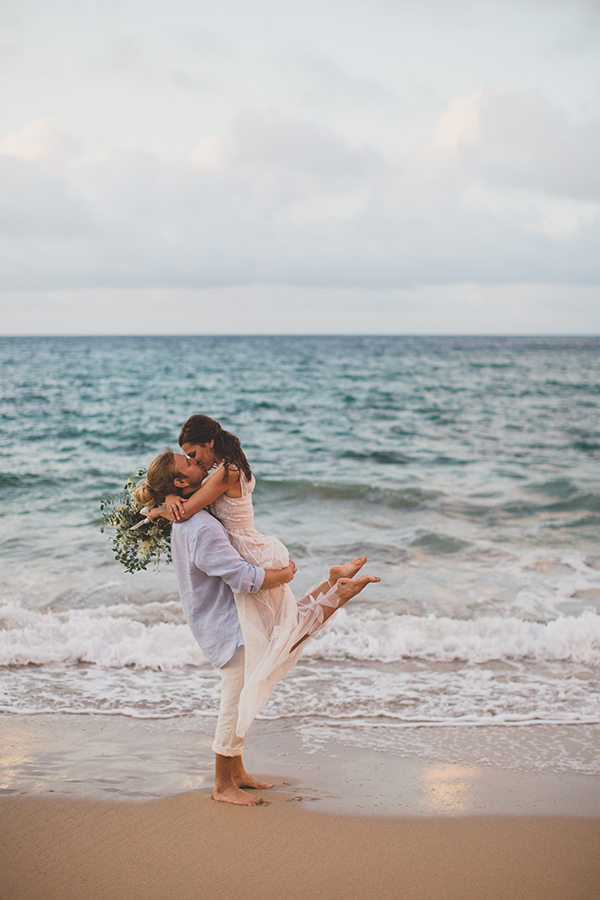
[[138, 549]]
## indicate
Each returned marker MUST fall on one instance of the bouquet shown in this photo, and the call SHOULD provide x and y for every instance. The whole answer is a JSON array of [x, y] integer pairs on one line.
[[137, 541]]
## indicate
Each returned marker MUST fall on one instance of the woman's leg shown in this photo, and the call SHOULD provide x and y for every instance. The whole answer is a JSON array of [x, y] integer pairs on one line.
[[335, 593]]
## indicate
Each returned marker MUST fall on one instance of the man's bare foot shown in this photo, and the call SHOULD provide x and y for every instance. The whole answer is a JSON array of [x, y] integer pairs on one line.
[[231, 777], [348, 570], [233, 794], [243, 779], [249, 781]]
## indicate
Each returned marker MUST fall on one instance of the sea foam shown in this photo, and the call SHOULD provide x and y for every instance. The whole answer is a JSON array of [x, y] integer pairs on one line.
[[111, 636], [140, 636]]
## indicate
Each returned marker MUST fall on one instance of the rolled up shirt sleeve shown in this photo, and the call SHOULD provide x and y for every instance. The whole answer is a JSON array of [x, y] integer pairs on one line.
[[214, 555]]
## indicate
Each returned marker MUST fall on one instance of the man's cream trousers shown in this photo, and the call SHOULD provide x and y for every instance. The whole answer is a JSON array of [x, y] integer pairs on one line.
[[227, 742]]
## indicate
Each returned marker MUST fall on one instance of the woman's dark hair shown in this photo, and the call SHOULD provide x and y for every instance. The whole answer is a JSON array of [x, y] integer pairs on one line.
[[202, 429]]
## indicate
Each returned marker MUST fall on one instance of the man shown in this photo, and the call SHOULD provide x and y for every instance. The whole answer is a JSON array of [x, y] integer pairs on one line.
[[209, 571]]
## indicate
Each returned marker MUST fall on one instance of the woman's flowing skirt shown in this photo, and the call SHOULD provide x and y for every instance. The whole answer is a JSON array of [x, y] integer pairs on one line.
[[272, 622]]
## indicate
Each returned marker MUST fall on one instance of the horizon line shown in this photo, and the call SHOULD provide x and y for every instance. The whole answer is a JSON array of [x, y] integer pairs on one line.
[[292, 334]]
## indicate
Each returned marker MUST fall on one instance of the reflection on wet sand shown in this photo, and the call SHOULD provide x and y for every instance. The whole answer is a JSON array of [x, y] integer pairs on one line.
[[448, 788]]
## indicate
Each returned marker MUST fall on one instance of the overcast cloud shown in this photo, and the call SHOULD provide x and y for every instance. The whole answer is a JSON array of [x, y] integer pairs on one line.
[[436, 163]]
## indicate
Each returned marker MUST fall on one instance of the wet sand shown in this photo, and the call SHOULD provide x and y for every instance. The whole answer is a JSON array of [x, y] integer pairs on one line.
[[103, 757]]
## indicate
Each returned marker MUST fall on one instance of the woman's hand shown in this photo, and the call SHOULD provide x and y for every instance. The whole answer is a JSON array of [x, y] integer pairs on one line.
[[175, 507]]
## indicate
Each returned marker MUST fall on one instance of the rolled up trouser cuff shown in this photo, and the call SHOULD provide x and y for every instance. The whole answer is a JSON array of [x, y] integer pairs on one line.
[[227, 751]]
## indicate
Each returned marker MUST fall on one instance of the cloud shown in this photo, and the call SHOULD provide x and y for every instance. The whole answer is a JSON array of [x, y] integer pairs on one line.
[[319, 81], [128, 59], [521, 140], [504, 191], [209, 153], [37, 208], [41, 142]]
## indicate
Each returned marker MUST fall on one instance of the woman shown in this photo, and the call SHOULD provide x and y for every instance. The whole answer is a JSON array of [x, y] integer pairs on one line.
[[273, 623]]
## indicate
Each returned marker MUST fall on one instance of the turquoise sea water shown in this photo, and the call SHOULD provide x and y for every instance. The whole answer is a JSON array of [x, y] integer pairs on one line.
[[466, 468]]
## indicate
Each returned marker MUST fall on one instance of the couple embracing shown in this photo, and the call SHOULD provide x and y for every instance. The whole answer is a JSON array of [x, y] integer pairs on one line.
[[234, 585]]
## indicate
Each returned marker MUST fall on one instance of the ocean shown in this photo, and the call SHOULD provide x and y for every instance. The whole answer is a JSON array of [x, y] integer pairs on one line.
[[465, 468]]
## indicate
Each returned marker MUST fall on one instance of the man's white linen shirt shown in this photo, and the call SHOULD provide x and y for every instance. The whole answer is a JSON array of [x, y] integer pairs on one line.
[[208, 570]]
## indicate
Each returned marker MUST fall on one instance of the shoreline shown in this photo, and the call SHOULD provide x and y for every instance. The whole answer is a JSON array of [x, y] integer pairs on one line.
[[112, 757]]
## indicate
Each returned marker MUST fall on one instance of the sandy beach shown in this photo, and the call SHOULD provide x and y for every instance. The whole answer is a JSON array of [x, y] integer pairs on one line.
[[187, 846], [108, 807]]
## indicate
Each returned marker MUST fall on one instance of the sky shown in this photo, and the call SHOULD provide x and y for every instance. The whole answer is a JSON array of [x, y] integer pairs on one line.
[[379, 167]]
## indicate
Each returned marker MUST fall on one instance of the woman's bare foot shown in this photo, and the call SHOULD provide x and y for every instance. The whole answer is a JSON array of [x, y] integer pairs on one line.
[[233, 794], [347, 588], [348, 570]]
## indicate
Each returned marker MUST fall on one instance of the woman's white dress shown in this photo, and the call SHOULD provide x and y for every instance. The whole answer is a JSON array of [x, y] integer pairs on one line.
[[272, 621]]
